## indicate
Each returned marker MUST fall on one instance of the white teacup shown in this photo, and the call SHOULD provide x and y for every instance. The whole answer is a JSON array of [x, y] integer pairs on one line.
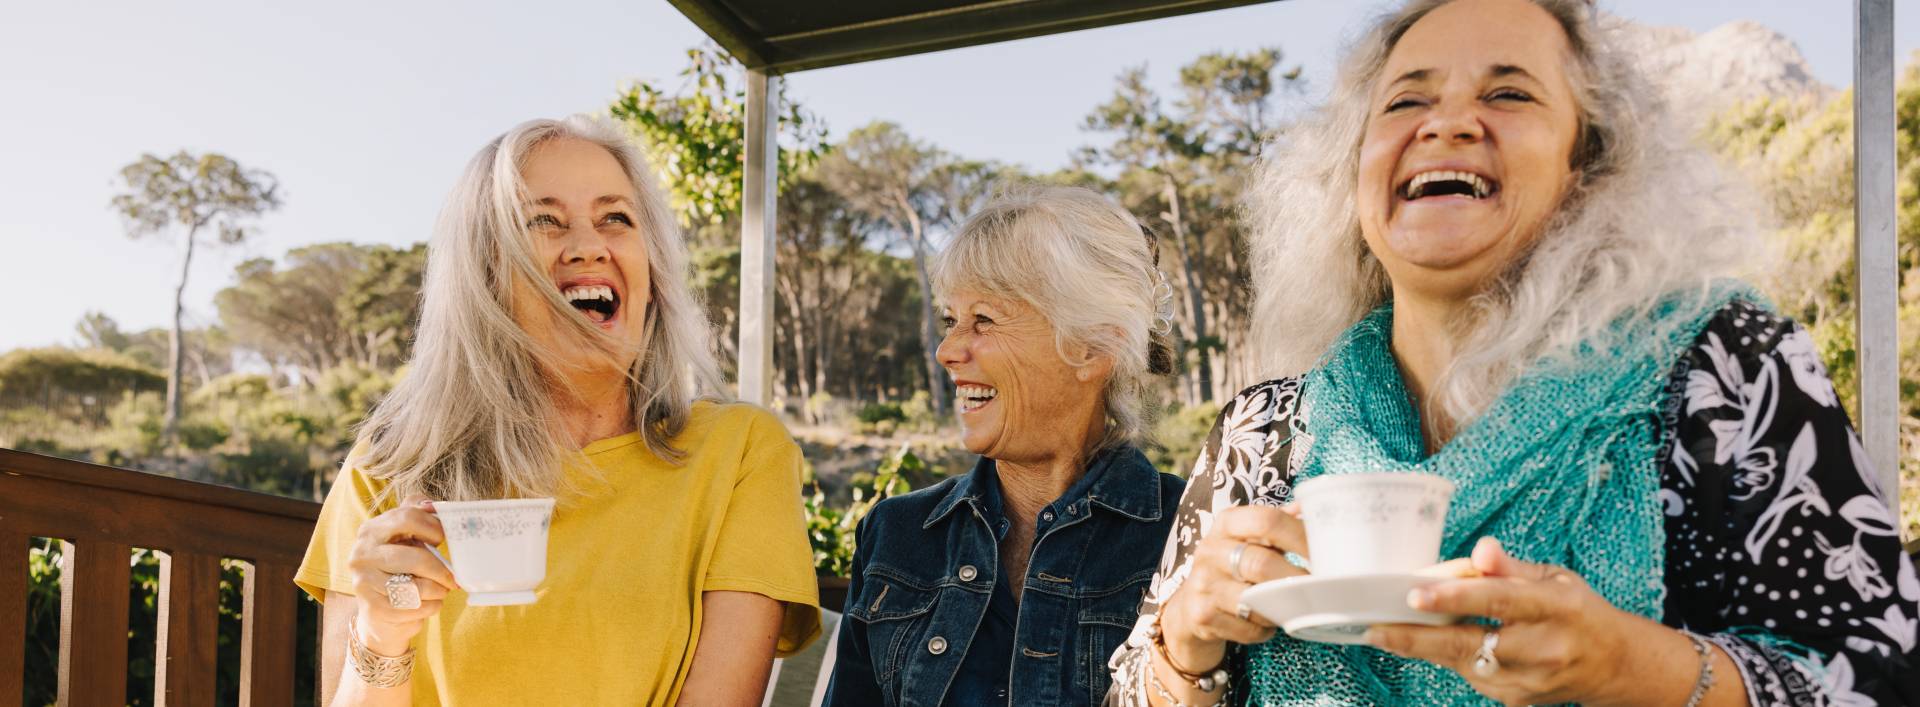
[[1373, 523], [499, 547]]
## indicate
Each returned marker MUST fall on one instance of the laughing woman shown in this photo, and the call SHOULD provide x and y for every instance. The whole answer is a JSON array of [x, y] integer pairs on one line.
[[560, 354], [1486, 259], [1012, 584]]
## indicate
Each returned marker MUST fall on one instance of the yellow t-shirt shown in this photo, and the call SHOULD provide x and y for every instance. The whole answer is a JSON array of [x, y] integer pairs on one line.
[[619, 613]]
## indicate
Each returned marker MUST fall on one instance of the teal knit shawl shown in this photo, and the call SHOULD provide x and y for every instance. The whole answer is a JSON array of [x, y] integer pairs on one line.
[[1561, 468]]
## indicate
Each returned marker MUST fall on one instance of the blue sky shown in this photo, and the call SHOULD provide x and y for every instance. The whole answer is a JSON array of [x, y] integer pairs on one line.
[[366, 111]]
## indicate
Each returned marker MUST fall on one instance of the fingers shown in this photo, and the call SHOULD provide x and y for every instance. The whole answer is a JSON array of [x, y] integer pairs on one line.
[[1450, 646], [1263, 525], [1457, 568], [409, 559], [414, 519]]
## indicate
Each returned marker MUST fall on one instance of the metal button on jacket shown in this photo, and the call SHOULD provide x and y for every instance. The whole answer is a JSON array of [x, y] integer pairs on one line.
[[1047, 516], [937, 645], [967, 573]]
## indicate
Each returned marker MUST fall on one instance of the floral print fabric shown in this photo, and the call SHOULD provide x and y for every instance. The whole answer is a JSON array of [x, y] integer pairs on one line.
[[1779, 546]]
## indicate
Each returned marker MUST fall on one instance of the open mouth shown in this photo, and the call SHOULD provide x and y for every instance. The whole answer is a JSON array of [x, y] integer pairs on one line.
[[598, 302], [974, 397], [1441, 183]]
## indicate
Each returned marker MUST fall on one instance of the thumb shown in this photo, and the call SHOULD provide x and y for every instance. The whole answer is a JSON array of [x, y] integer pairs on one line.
[[1491, 558]]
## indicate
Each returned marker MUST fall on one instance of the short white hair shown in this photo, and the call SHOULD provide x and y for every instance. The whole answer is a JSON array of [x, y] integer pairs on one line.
[[1084, 263], [1650, 216]]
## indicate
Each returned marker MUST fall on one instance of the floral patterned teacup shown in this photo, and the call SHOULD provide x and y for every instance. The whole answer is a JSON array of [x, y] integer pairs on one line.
[[1373, 523], [499, 548]]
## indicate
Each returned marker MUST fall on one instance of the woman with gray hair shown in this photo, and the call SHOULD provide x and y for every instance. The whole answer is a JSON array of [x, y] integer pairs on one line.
[[561, 354], [1487, 260], [1012, 584]]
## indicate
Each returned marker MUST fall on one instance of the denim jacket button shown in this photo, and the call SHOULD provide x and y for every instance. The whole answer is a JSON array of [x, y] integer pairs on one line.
[[967, 573], [937, 646], [1047, 516]]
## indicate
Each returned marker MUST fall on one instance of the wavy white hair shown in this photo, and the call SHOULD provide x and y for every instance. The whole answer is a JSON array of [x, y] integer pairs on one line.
[[1650, 216], [1083, 262], [475, 416]]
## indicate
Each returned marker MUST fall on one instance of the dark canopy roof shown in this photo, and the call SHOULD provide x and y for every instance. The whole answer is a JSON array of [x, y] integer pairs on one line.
[[780, 36]]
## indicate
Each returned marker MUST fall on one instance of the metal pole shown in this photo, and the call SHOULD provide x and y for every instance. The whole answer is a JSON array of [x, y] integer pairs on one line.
[[757, 239], [1874, 259]]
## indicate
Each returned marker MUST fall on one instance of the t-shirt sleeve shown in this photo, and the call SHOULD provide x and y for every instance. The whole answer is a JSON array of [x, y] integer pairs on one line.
[[347, 506], [763, 539]]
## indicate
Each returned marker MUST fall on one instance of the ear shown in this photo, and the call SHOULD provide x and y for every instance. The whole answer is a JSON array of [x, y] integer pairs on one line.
[[1098, 368]]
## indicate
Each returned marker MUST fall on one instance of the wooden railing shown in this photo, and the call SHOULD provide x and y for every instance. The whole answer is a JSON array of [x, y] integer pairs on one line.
[[104, 513]]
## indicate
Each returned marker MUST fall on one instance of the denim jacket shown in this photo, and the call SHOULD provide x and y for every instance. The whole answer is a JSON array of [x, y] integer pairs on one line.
[[926, 563]]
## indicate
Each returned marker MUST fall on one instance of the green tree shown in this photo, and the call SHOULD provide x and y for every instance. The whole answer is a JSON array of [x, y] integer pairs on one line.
[[381, 305], [1180, 166], [891, 177], [195, 196], [696, 137]]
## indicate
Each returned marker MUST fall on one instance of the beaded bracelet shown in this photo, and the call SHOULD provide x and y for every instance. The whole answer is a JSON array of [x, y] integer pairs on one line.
[[1153, 679], [1705, 682], [1205, 681]]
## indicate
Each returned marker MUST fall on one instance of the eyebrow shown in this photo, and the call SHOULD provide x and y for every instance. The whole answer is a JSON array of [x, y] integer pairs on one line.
[[1415, 75], [1505, 70], [602, 201]]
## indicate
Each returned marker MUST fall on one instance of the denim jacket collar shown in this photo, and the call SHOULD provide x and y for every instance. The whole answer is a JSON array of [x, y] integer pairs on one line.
[[1122, 481]]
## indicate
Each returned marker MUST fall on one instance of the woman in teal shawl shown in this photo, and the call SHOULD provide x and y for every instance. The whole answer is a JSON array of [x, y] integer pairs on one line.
[[1488, 259]]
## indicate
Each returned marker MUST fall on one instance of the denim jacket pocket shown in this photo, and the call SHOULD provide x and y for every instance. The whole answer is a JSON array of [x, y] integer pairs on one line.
[[893, 612], [1106, 618]]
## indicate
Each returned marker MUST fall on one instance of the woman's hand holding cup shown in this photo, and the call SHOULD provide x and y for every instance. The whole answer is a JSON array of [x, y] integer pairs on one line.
[[393, 543], [1246, 546]]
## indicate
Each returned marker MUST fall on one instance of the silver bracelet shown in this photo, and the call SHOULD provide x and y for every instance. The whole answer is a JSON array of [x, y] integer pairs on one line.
[[1705, 682], [374, 669]]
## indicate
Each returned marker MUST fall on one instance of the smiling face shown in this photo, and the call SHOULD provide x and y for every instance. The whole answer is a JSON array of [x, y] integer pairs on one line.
[[1466, 155], [582, 216], [1018, 400]]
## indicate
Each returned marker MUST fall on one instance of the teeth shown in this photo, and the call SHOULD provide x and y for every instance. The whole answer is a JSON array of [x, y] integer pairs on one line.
[[1481, 188], [576, 294], [977, 391]]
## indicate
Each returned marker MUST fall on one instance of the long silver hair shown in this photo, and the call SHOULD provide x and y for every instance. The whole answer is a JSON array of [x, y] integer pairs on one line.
[[475, 415], [1650, 216]]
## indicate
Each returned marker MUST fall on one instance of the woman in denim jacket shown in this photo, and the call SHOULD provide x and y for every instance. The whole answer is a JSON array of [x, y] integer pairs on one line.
[[1014, 583]]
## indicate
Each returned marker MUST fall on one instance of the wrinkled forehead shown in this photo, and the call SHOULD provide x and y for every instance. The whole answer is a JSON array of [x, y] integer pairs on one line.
[[572, 173], [1475, 39], [974, 296]]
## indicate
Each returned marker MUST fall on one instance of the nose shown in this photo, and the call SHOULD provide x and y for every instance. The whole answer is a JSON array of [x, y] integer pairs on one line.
[[584, 245], [1453, 121], [953, 349]]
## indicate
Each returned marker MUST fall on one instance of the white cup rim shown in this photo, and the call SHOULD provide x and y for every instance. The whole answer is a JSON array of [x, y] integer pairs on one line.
[[1331, 482], [500, 504]]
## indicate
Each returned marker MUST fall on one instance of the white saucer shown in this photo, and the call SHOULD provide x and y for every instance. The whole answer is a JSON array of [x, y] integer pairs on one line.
[[1339, 609], [500, 598]]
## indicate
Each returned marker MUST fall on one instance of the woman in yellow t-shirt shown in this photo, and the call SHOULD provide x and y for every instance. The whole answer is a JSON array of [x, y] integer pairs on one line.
[[561, 355]]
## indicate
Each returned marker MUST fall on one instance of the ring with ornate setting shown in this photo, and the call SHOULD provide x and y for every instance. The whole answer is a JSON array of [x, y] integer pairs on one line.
[[402, 593], [1484, 664]]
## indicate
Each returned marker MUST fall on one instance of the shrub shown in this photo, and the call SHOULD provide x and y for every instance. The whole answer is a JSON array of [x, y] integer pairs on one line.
[[831, 530]]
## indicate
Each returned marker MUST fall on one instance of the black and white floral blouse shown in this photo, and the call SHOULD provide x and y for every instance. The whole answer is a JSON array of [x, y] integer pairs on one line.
[[1779, 547]]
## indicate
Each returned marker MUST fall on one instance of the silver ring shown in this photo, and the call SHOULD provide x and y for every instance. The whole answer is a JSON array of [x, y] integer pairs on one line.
[[402, 593], [1233, 559], [1243, 611], [1484, 664]]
